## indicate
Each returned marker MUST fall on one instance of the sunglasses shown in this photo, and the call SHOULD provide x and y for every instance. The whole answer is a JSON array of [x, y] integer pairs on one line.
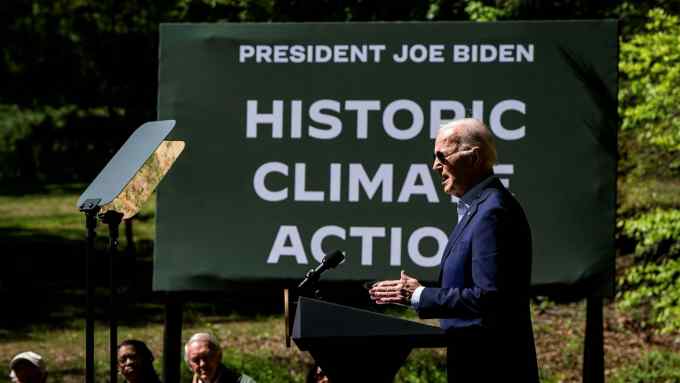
[[441, 157]]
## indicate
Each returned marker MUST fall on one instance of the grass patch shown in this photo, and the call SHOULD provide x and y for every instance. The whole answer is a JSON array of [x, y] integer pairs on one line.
[[254, 346], [43, 232], [656, 366], [54, 214]]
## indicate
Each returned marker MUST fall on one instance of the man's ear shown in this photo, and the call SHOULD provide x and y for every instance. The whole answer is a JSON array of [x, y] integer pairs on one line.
[[472, 155]]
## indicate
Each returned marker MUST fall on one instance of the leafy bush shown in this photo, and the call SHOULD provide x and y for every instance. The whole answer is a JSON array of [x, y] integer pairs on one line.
[[657, 233], [478, 11], [649, 106], [649, 144], [15, 127], [654, 288], [58, 144], [654, 284], [650, 68], [654, 367]]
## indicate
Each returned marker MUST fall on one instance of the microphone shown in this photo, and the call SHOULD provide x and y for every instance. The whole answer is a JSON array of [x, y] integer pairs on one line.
[[330, 261]]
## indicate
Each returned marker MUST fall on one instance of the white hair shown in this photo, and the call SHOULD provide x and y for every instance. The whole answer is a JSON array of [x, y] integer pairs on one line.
[[475, 133], [207, 337]]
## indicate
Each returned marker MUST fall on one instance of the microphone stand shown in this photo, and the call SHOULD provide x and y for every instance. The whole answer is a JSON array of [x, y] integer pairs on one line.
[[312, 277], [309, 289]]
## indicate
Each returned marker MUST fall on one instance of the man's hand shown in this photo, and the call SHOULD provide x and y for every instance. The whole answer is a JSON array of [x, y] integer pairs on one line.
[[394, 291]]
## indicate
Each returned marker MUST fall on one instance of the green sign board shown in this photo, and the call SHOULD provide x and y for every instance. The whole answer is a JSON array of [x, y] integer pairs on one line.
[[306, 138]]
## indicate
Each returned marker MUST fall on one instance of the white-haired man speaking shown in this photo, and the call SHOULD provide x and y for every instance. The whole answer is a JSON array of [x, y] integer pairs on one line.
[[482, 297]]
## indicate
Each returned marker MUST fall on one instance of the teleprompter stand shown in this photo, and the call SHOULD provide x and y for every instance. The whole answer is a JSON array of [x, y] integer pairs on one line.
[[117, 193], [112, 218], [90, 207]]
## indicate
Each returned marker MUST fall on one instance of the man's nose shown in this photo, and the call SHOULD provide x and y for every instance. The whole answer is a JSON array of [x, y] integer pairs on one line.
[[436, 166]]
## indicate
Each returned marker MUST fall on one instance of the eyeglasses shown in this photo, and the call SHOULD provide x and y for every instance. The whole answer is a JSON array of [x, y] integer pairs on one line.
[[441, 157]]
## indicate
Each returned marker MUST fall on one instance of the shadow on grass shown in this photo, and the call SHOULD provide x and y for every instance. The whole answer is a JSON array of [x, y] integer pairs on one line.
[[42, 283], [61, 375], [34, 188], [43, 276]]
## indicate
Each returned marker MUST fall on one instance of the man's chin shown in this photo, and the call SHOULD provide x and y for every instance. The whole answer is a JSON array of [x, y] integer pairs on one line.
[[452, 189]]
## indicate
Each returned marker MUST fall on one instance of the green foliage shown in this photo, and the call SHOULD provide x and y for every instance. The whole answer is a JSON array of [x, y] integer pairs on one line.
[[446, 10], [262, 367], [15, 126], [256, 10], [657, 233], [644, 193], [654, 367], [654, 288], [20, 155], [48, 144], [480, 12], [546, 376], [653, 285], [650, 88], [542, 304], [423, 366], [633, 14], [649, 146]]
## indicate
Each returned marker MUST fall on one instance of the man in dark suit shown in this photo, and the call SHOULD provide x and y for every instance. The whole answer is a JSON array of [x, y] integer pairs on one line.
[[485, 274]]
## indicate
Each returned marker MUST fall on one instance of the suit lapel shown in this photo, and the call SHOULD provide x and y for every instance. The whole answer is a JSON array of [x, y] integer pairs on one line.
[[458, 230], [466, 218]]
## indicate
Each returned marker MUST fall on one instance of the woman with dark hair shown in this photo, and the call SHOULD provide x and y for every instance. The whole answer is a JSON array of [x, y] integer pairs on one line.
[[135, 362]]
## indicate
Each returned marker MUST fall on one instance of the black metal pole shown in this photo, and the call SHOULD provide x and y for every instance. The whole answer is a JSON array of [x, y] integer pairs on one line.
[[90, 208], [113, 219], [129, 237], [593, 350], [172, 341]]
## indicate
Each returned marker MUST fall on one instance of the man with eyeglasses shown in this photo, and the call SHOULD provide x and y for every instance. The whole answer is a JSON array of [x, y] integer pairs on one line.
[[203, 354], [482, 298]]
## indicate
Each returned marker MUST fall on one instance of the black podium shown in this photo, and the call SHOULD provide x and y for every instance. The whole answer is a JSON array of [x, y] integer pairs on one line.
[[354, 345]]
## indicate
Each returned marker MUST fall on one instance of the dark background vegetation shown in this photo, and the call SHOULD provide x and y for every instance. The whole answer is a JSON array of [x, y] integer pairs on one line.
[[78, 76]]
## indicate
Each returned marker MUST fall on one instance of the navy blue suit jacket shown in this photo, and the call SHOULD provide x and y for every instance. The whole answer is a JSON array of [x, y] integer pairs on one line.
[[483, 298]]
